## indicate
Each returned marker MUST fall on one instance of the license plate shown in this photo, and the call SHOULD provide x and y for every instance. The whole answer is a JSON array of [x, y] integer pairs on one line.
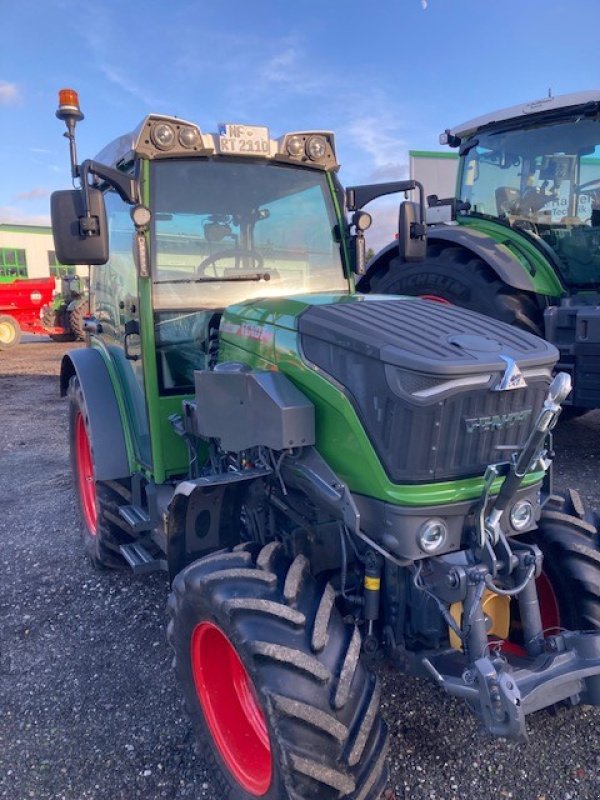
[[245, 140]]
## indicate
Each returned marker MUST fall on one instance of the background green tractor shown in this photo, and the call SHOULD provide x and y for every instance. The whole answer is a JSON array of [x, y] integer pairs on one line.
[[526, 249], [68, 309], [327, 477]]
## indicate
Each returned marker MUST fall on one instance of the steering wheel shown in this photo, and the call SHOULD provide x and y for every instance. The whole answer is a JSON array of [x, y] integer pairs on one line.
[[237, 252]]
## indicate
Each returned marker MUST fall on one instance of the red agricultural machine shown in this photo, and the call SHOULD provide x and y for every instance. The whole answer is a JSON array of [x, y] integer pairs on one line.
[[20, 305], [35, 306]]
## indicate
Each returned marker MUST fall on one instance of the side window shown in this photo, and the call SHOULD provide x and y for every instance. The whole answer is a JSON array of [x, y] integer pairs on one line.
[[114, 284]]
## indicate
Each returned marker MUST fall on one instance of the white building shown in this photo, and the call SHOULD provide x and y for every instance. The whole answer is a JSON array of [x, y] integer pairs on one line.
[[27, 251], [436, 170]]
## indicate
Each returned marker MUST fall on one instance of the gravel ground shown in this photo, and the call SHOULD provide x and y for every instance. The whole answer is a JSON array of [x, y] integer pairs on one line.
[[88, 705]]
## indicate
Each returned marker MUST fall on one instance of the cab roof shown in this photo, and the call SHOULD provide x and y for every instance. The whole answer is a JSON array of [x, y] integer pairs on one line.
[[545, 105]]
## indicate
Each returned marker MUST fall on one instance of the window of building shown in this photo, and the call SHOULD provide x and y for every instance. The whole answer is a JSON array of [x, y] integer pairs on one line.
[[57, 269], [13, 263]]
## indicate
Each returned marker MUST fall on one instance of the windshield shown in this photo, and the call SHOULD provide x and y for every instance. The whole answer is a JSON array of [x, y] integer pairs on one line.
[[546, 180], [227, 231]]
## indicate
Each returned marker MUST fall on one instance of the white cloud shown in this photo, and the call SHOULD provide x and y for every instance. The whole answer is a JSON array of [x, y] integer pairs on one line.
[[15, 216], [34, 194], [9, 93]]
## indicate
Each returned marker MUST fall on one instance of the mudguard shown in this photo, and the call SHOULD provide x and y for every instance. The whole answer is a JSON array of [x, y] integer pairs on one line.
[[111, 460], [508, 269]]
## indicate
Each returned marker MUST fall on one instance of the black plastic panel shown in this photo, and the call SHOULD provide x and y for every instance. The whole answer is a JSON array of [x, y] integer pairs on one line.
[[443, 420]]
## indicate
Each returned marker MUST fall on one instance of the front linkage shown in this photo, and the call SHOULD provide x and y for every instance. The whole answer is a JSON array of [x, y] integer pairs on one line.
[[565, 666]]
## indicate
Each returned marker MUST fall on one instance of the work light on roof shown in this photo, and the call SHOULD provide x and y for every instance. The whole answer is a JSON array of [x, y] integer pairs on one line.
[[295, 146], [189, 137], [316, 147], [163, 136]]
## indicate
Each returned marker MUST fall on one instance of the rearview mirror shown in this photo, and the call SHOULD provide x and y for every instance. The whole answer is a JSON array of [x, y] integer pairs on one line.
[[79, 238], [412, 232]]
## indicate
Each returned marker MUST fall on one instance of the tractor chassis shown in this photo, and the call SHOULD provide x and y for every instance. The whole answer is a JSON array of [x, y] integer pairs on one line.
[[574, 328]]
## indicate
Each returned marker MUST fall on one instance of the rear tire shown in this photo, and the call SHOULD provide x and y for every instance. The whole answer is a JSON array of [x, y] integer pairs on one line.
[[454, 275], [103, 531], [10, 332], [320, 734]]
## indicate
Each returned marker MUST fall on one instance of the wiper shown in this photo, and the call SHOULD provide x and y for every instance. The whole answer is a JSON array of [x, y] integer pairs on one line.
[[244, 277]]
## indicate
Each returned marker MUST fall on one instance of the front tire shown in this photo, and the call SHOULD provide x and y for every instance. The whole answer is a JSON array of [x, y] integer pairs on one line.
[[454, 275], [10, 332], [102, 529], [569, 539], [273, 680]]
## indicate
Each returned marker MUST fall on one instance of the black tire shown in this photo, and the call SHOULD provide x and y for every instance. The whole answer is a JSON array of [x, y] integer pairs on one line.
[[50, 318], [75, 320], [103, 536], [456, 276], [318, 700], [572, 412], [569, 539], [10, 332]]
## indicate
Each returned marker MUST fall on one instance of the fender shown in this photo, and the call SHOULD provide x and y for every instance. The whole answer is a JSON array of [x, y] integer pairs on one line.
[[506, 266], [111, 461], [508, 269]]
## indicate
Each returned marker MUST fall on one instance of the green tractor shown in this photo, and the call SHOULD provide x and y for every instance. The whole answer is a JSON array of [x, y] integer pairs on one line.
[[66, 313], [326, 477], [521, 240]]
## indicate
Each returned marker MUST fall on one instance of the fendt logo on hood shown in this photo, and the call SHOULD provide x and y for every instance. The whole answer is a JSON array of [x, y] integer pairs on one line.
[[497, 422]]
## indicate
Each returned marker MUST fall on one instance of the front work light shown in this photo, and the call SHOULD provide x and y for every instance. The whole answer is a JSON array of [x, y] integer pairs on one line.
[[316, 147], [295, 146], [188, 137], [163, 136]]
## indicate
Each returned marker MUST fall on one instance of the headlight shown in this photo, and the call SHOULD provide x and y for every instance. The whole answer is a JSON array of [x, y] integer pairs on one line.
[[295, 146], [163, 136], [432, 535], [188, 137], [316, 147], [521, 515]]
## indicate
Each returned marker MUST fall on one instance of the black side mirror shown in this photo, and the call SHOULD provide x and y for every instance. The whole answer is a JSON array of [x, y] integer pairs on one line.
[[79, 238], [412, 232]]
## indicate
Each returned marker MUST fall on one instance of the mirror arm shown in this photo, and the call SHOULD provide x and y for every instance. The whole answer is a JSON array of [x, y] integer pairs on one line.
[[125, 186], [359, 196]]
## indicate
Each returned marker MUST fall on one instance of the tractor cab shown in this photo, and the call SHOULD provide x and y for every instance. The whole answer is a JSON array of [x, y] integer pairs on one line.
[[537, 168]]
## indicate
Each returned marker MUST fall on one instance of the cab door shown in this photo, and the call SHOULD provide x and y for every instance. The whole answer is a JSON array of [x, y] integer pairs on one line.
[[114, 307]]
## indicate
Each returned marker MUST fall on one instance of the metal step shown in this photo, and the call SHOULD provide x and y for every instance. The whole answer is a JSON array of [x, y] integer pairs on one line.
[[136, 518], [140, 560]]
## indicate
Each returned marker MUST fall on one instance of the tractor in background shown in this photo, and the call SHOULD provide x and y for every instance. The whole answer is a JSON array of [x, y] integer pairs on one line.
[[520, 241], [63, 318]]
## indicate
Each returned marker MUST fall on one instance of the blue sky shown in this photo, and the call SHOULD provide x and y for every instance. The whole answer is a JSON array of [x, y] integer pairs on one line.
[[386, 76]]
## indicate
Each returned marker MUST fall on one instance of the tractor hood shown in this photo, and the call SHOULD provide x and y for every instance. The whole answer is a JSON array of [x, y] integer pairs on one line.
[[441, 392]]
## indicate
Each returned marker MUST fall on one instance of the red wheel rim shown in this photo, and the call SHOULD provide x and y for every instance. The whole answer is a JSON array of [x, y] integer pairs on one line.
[[85, 474], [233, 715], [549, 607], [549, 610], [435, 299]]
